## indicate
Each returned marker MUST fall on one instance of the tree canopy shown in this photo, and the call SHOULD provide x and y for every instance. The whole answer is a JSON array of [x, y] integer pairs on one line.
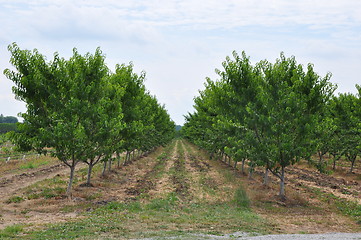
[[265, 113], [81, 110]]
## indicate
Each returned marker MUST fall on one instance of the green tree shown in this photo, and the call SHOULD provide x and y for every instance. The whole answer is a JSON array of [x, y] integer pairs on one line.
[[265, 113], [63, 99], [347, 115], [8, 119]]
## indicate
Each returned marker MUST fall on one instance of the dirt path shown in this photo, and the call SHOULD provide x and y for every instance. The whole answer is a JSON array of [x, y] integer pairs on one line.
[[207, 182], [163, 185]]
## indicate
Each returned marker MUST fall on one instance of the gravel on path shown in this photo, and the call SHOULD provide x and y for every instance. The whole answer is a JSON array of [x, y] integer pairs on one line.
[[247, 236]]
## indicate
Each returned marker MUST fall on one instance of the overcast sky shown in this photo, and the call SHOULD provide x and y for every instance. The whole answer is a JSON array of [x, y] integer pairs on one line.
[[179, 43]]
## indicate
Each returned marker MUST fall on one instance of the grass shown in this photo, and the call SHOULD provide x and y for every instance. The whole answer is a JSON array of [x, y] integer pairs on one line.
[[34, 164], [169, 215], [48, 188], [241, 199], [347, 208], [30, 163], [15, 199], [160, 217], [176, 214], [11, 232]]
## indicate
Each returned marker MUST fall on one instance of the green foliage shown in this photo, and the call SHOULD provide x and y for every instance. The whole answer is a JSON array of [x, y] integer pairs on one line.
[[241, 199], [346, 112], [82, 110], [7, 127], [8, 119], [266, 113]]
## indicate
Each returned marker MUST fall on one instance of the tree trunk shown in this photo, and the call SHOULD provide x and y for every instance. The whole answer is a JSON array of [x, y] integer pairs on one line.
[[282, 184], [89, 174], [139, 153], [104, 168], [110, 164], [229, 160], [250, 173], [243, 162], [335, 158], [235, 165], [118, 158], [265, 178], [352, 164], [126, 158], [320, 157], [71, 177]]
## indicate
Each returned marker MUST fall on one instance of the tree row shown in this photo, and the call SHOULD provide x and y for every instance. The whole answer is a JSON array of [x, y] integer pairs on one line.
[[80, 111], [271, 115]]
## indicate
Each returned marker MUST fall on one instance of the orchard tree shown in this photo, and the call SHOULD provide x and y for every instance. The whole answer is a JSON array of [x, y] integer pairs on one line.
[[347, 115], [66, 104], [292, 101], [271, 109]]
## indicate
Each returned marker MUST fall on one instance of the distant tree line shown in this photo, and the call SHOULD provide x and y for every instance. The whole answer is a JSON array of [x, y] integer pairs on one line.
[[8, 119], [7, 124]]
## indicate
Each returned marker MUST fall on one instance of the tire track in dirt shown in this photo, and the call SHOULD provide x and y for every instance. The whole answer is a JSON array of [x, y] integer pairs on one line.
[[179, 175], [208, 184], [195, 170], [128, 181], [164, 185]]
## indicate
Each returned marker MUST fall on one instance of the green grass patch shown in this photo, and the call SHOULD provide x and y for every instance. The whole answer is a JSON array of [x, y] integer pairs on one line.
[[241, 199], [159, 217], [11, 232], [348, 208], [15, 199], [35, 163], [163, 204], [37, 192], [352, 209]]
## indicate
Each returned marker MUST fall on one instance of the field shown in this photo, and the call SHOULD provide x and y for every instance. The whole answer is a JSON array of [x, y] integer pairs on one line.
[[174, 191]]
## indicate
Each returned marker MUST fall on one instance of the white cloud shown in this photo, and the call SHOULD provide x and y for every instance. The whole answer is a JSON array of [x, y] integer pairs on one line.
[[180, 42]]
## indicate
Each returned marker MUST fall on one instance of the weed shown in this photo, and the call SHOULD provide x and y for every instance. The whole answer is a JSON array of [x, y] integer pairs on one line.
[[93, 196], [352, 209], [15, 199], [25, 211], [241, 199], [163, 204], [11, 231], [348, 208], [29, 165]]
